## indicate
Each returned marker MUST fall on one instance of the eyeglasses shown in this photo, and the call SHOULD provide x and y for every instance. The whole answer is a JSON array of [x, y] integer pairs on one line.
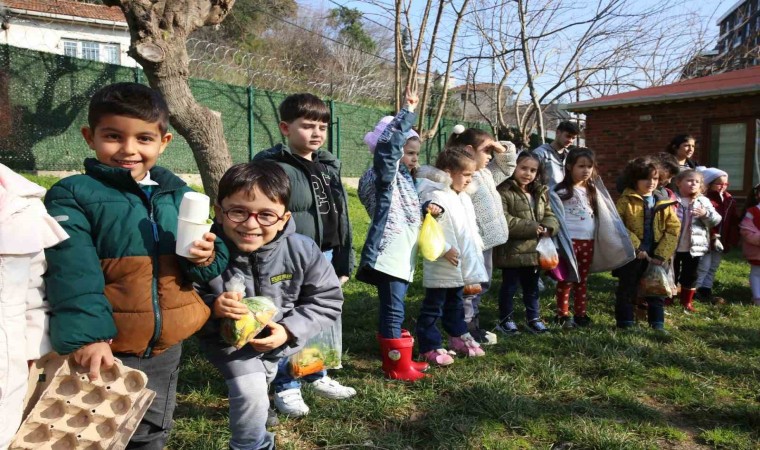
[[264, 218], [721, 184]]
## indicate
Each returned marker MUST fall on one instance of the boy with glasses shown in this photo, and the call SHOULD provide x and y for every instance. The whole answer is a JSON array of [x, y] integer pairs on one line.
[[254, 222]]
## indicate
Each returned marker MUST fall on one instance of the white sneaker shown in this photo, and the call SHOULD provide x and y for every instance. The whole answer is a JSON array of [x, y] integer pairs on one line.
[[329, 388], [290, 402]]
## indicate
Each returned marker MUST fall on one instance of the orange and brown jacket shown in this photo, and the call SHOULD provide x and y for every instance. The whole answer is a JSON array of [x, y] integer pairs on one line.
[[118, 277]]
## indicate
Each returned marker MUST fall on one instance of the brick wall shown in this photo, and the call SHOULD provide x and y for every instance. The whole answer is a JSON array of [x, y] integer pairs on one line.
[[618, 135]]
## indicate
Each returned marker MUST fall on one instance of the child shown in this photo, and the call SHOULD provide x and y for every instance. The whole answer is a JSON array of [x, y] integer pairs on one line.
[[591, 238], [492, 225], [319, 207], [697, 217], [253, 221], [750, 232], [552, 156], [388, 193], [461, 264], [653, 228], [26, 230], [722, 237], [667, 168], [116, 287], [529, 216]]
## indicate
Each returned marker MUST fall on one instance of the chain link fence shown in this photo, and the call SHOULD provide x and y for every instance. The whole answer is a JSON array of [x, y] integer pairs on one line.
[[44, 98]]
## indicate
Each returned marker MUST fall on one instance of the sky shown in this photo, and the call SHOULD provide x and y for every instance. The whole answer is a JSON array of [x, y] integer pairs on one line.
[[709, 10]]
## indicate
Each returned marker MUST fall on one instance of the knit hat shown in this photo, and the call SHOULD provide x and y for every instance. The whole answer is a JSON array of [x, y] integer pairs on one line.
[[711, 174], [371, 138]]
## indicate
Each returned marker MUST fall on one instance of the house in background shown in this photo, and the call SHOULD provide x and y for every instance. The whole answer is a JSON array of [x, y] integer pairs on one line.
[[67, 27], [721, 111], [739, 42]]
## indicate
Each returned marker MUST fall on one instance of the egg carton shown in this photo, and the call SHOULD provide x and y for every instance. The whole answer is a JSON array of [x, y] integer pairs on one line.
[[73, 412]]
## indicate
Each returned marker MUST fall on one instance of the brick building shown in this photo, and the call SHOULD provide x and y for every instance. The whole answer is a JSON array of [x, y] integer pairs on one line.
[[721, 111]]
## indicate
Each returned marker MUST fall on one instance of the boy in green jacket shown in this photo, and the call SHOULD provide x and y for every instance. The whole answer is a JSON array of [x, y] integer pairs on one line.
[[116, 288], [320, 211]]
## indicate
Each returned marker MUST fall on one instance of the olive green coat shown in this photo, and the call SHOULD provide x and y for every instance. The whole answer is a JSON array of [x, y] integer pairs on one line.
[[520, 249]]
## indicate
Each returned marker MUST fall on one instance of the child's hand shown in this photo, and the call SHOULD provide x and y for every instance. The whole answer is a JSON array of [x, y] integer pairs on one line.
[[202, 250], [434, 210], [278, 335], [699, 212], [642, 255], [343, 280], [229, 306], [656, 261], [93, 356], [496, 147], [540, 230], [452, 256], [411, 99]]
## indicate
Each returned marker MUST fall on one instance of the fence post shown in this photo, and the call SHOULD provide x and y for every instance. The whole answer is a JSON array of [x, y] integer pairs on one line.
[[331, 134], [439, 135], [250, 122], [337, 138], [138, 75]]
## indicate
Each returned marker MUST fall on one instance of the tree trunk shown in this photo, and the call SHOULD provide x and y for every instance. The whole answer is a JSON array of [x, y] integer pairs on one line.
[[159, 31]]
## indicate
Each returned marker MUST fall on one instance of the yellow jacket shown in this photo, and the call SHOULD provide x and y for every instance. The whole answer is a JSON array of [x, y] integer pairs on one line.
[[666, 225]]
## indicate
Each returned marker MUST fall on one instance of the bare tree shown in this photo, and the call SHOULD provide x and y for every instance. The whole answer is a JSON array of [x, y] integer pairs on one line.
[[159, 31], [558, 50], [411, 65]]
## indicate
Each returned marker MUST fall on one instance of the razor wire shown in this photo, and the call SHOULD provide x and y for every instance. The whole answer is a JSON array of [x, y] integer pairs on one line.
[[212, 61]]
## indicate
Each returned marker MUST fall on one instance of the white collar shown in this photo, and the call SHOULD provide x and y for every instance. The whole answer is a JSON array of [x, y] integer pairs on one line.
[[147, 181]]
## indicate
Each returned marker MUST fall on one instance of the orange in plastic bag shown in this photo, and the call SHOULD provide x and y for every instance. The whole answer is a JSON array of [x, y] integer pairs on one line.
[[431, 240], [548, 258]]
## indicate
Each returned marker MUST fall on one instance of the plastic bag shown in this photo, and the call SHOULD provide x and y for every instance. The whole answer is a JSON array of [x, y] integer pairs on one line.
[[260, 312], [655, 282], [548, 258], [431, 240], [323, 351], [561, 272]]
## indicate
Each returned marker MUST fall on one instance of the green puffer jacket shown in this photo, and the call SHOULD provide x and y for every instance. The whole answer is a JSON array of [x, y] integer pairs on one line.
[[520, 249], [117, 276], [303, 203]]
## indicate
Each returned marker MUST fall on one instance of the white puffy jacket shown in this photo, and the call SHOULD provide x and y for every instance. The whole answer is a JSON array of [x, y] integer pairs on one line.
[[700, 228], [459, 229], [25, 231]]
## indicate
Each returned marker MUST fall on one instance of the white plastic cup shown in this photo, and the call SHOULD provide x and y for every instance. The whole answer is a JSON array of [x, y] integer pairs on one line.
[[194, 207], [189, 232]]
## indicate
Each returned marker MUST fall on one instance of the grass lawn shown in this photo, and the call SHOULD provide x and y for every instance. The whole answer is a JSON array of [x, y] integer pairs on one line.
[[699, 387]]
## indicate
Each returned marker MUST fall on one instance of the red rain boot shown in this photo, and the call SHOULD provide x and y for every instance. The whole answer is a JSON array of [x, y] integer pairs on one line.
[[397, 359], [416, 365], [687, 299]]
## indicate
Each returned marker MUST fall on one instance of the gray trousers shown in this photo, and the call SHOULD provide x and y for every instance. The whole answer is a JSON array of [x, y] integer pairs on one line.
[[472, 302], [162, 371]]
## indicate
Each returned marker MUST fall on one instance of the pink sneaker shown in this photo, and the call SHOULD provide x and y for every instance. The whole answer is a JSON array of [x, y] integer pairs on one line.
[[466, 345], [439, 356]]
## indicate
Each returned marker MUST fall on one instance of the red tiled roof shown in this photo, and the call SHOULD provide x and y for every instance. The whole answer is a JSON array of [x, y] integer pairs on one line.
[[736, 82], [68, 8]]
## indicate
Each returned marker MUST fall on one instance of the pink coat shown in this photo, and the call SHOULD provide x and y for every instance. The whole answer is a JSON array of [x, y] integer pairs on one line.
[[750, 232]]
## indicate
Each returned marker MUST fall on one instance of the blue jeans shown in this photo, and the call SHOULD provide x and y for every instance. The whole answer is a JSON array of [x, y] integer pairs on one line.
[[445, 303], [391, 291], [527, 277], [162, 371], [249, 405]]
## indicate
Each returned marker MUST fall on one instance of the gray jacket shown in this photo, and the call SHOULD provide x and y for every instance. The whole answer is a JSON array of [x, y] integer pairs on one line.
[[553, 162], [291, 271]]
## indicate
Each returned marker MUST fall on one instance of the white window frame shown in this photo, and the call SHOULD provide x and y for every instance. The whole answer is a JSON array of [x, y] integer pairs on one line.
[[85, 47]]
